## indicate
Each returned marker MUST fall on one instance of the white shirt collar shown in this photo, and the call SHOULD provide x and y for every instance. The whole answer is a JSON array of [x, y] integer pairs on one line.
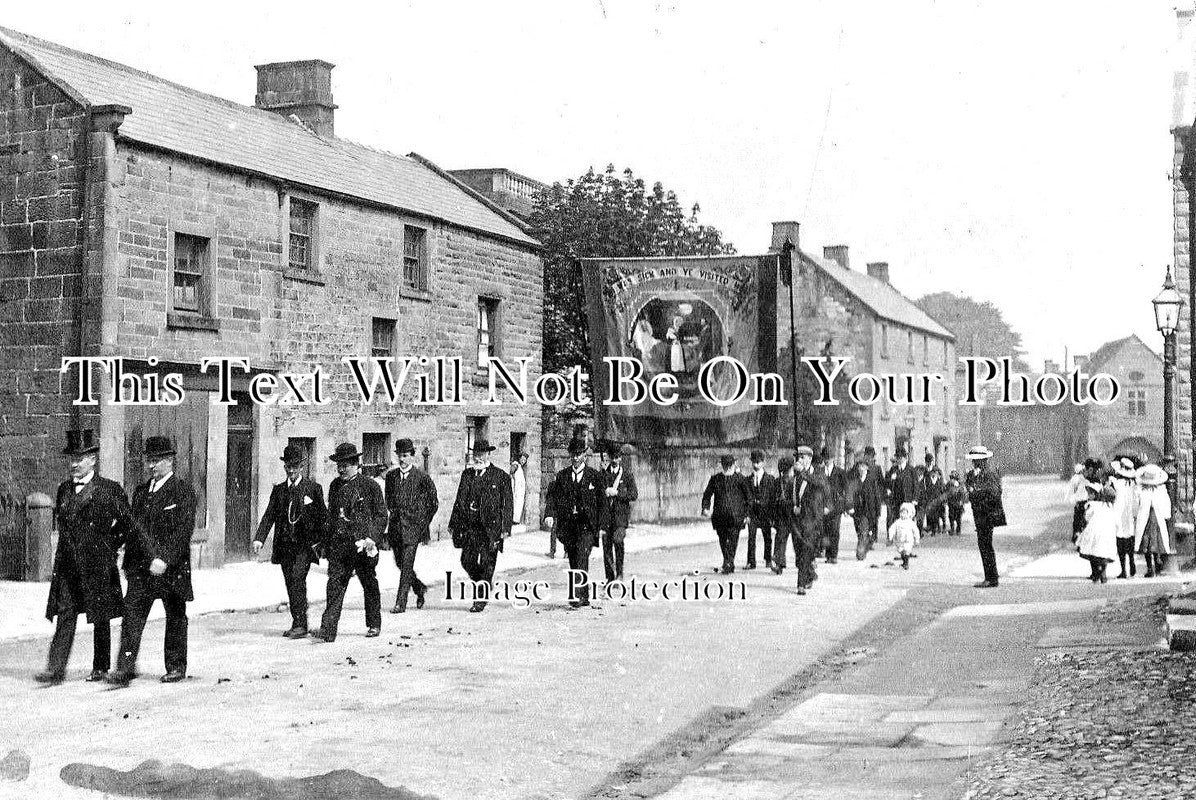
[[86, 479], [157, 484]]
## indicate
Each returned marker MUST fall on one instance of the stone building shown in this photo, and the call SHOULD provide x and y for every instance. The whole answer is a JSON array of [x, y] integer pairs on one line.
[[508, 189], [1183, 178], [1134, 424], [148, 221]]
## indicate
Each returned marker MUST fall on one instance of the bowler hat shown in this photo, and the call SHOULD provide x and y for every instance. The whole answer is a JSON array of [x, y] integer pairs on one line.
[[405, 446], [614, 449], [345, 451], [576, 447], [482, 446], [293, 455], [757, 455], [869, 450], [900, 453], [80, 443], [979, 453], [158, 446], [726, 461]]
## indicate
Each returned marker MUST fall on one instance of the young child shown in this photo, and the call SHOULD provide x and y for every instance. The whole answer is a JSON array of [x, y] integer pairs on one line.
[[1097, 542], [903, 534]]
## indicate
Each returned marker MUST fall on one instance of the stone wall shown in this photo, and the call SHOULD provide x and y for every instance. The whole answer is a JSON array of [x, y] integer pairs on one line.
[[1183, 185]]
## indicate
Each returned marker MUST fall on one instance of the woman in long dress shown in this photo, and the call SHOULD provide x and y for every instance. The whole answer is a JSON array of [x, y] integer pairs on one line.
[[1151, 535]]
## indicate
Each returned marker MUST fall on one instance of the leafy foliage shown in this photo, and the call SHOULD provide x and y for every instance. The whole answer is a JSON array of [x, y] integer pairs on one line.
[[979, 327], [604, 215]]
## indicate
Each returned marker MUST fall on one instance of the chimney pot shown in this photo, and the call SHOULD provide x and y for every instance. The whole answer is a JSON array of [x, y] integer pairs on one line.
[[299, 88], [879, 270], [782, 231], [838, 254]]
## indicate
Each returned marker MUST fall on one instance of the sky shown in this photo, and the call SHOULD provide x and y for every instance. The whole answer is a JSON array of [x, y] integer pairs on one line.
[[1014, 152]]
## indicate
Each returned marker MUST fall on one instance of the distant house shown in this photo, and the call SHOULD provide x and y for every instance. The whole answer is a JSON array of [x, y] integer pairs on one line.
[[147, 220], [1134, 424]]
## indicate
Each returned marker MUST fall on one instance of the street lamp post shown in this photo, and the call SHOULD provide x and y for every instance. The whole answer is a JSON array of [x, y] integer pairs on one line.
[[1166, 316]]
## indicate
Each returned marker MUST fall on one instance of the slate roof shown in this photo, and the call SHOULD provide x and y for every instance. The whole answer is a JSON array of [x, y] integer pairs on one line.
[[1105, 353], [882, 298], [183, 120]]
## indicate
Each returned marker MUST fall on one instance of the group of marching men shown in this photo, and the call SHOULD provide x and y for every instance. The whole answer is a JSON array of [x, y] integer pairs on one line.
[[803, 504], [95, 520]]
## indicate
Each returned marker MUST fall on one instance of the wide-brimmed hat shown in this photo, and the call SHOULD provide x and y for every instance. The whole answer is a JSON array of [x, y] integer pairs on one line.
[[293, 455], [405, 446], [80, 443], [482, 446], [979, 453], [804, 450], [1152, 475], [159, 446], [345, 451], [577, 447], [1125, 467]]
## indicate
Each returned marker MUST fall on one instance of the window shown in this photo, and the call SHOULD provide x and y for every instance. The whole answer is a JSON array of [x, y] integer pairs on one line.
[[307, 445], [518, 444], [925, 350], [1137, 402], [303, 234], [475, 428], [189, 282], [910, 353], [884, 340], [382, 338], [374, 450], [487, 329], [415, 258]]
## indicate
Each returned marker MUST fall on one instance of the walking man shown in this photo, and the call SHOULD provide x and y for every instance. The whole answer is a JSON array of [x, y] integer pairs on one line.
[[836, 486], [158, 567], [614, 509], [412, 501], [902, 486], [784, 513], [356, 520], [94, 520], [984, 490], [762, 498], [864, 500], [726, 500], [481, 519], [811, 501], [297, 514], [574, 499]]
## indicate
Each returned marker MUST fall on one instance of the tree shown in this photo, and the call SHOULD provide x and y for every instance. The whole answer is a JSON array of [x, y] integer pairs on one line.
[[814, 422], [604, 215], [979, 327]]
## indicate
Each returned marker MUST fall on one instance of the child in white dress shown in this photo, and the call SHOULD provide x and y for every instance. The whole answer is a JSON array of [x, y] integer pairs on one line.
[[903, 534]]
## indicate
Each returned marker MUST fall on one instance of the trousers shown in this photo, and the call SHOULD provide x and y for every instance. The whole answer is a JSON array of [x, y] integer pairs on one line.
[[295, 566], [341, 568], [764, 525], [804, 547], [988, 556], [138, 602], [728, 543], [578, 541], [64, 633], [612, 552], [408, 580], [864, 528], [830, 536], [478, 560]]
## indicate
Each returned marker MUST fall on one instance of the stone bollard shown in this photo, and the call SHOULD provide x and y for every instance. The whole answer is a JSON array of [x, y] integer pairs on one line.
[[39, 523]]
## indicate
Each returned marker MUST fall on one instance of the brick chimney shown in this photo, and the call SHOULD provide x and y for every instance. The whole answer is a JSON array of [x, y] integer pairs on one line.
[[302, 88], [782, 231], [838, 254], [879, 270], [1049, 366]]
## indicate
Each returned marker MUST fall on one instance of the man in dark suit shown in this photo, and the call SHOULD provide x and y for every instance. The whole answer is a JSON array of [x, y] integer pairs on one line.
[[865, 496], [574, 498], [412, 501], [988, 512], [762, 496], [784, 514], [356, 521], [481, 519], [614, 509], [93, 519], [836, 485], [901, 485], [812, 503], [297, 514], [161, 568], [726, 500]]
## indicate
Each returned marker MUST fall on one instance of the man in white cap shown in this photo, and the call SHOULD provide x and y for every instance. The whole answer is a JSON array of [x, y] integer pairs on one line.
[[984, 489]]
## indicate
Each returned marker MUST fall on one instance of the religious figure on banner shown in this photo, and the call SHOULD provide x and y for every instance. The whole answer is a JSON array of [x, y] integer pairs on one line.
[[676, 336]]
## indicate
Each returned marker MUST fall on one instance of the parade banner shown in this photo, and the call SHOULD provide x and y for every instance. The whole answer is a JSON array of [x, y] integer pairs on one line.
[[674, 315]]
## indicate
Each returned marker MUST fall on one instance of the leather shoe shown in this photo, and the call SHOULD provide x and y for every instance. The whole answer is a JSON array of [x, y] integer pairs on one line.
[[832, 561], [985, 585], [119, 678], [296, 633], [97, 675], [49, 678], [479, 605], [398, 609], [319, 636], [777, 570], [801, 590], [372, 632], [419, 599], [750, 565], [174, 676]]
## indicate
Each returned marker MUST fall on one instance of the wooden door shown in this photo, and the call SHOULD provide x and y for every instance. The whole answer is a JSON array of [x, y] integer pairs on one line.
[[238, 484]]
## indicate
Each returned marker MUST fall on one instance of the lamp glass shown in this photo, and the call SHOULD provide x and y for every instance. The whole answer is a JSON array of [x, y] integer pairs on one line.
[[1166, 308]]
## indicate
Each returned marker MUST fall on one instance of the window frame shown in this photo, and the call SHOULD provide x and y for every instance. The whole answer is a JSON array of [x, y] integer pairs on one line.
[[423, 259], [493, 330], [312, 272], [1136, 401], [391, 326], [203, 316]]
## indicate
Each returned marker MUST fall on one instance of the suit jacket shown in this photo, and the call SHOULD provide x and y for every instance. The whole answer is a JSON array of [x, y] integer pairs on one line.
[[902, 485], [615, 512], [762, 499], [729, 496], [92, 524], [490, 521], [412, 503], [356, 511], [813, 501], [984, 490], [168, 517], [865, 497], [575, 503], [836, 486], [297, 516]]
